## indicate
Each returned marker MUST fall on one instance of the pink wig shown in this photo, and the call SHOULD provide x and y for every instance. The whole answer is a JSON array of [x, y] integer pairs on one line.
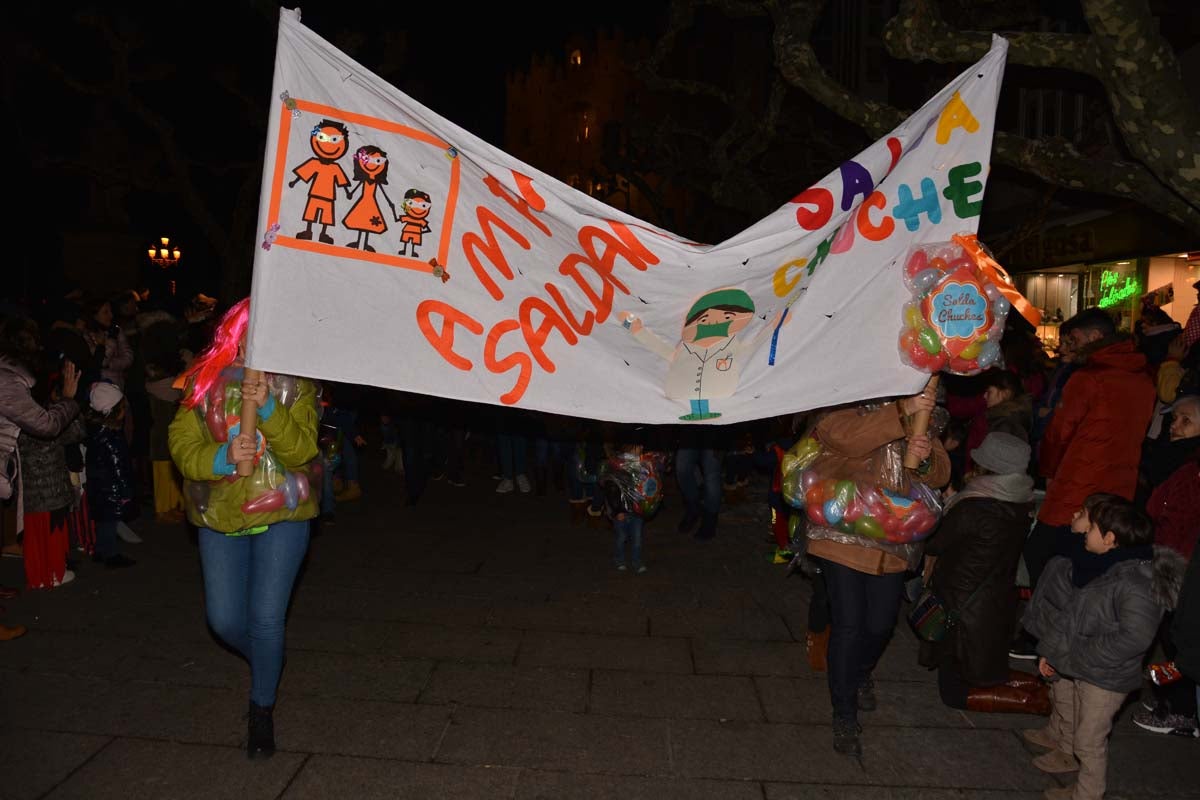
[[222, 352]]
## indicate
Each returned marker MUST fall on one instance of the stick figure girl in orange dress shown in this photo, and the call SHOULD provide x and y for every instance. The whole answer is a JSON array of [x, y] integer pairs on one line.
[[370, 172]]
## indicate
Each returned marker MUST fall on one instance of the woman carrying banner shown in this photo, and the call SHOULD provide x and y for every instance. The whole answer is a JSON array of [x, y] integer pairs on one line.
[[866, 444], [253, 529]]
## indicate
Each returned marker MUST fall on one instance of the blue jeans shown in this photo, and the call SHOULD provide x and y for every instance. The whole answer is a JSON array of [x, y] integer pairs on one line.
[[247, 585], [863, 611], [629, 528], [687, 460]]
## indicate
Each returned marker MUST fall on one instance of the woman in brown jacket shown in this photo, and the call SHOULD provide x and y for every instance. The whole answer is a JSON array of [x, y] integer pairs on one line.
[[864, 583]]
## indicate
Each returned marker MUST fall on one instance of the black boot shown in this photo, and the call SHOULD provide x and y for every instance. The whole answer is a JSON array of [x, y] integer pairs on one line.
[[260, 732], [708, 526]]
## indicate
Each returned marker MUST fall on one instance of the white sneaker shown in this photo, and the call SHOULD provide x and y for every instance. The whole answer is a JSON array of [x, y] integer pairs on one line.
[[126, 534], [67, 577], [504, 486], [523, 484]]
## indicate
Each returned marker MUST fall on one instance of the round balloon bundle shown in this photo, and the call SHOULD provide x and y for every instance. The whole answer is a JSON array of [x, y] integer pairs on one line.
[[633, 481], [960, 303]]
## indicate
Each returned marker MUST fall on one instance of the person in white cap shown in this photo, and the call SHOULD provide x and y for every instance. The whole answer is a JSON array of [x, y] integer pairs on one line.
[[109, 471]]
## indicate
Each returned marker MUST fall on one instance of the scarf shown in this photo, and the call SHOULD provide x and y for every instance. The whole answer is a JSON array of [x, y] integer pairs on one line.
[[1161, 459], [1016, 487], [1086, 567]]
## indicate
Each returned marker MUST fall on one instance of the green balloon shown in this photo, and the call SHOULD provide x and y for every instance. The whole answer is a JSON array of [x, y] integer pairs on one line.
[[868, 526], [929, 341], [843, 492]]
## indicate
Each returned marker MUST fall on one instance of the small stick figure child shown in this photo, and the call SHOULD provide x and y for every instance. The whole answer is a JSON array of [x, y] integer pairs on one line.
[[414, 220]]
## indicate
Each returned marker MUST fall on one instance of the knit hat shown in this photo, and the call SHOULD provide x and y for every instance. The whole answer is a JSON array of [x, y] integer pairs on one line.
[[105, 396], [1002, 453]]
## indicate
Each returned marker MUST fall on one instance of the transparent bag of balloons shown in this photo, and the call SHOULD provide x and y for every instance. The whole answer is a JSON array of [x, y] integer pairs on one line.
[[890, 512], [632, 483], [271, 486], [955, 319]]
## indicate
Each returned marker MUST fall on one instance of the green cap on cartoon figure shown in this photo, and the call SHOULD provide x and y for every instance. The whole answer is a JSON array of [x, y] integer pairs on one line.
[[721, 297]]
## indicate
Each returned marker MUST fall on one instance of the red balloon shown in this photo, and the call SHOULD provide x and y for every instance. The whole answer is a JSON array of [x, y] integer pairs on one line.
[[853, 511], [812, 497], [815, 514], [964, 365], [916, 262]]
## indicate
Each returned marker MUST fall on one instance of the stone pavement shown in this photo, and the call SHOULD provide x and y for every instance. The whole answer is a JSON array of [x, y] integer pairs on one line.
[[480, 646]]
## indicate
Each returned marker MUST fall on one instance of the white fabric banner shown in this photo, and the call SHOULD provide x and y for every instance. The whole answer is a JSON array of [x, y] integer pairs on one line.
[[399, 250]]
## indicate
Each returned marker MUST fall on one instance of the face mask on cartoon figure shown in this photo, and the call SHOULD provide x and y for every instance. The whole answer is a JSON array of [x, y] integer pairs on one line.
[[720, 329]]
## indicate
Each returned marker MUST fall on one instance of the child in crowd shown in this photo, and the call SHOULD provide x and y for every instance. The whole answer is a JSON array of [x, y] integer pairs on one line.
[[1095, 613], [109, 471], [632, 489]]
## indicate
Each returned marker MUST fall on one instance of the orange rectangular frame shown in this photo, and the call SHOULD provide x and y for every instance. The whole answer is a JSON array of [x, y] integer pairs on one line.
[[285, 128]]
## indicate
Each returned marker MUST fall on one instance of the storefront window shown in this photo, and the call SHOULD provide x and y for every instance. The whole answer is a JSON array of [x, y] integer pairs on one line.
[[1057, 295]]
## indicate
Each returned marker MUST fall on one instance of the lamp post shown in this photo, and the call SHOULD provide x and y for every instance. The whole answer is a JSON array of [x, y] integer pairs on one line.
[[165, 256]]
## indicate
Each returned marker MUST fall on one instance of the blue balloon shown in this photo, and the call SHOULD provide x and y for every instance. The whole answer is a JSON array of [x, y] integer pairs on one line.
[[291, 491], [925, 280], [1000, 306], [988, 354], [834, 511]]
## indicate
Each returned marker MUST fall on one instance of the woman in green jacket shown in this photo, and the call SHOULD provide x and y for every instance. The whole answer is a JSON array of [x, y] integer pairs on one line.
[[253, 530]]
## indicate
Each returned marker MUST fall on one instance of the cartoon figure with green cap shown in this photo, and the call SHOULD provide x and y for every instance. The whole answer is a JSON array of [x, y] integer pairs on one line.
[[707, 361]]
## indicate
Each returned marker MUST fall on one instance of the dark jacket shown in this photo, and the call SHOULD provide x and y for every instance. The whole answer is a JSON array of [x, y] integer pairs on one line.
[[1099, 633], [1185, 627], [978, 545], [1094, 440], [109, 475], [45, 481]]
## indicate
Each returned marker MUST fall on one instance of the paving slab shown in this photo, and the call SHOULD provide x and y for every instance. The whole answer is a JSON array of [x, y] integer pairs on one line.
[[665, 695], [748, 657], [133, 769], [584, 743], [583, 651], [719, 623], [537, 785], [359, 727], [507, 686], [403, 639], [32, 762], [324, 777]]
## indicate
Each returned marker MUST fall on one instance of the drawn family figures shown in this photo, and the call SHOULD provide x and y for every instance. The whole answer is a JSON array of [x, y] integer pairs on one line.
[[330, 140]]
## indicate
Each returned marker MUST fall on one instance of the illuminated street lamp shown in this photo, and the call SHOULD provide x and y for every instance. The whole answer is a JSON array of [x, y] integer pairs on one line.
[[165, 255]]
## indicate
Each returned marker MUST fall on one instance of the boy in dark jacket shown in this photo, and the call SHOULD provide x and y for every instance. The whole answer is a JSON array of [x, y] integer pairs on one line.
[[1095, 614]]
